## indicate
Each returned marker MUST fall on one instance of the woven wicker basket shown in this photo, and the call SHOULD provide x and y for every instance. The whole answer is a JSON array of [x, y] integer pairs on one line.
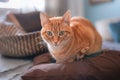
[[15, 42]]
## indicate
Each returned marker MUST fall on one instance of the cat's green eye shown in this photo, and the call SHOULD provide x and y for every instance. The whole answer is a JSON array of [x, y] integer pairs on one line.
[[61, 33], [49, 33]]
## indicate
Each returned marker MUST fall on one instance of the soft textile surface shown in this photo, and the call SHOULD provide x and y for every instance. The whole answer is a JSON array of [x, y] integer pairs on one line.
[[115, 31], [44, 58], [29, 21], [103, 27], [11, 69], [111, 45], [103, 67]]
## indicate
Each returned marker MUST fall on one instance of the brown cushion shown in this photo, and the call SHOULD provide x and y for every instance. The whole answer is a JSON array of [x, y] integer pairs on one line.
[[44, 58], [29, 21], [103, 67]]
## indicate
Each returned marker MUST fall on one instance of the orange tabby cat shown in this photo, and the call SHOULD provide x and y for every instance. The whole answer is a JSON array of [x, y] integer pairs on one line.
[[69, 39]]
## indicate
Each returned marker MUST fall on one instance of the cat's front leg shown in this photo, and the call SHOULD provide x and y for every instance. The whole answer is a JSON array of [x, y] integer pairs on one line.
[[80, 55]]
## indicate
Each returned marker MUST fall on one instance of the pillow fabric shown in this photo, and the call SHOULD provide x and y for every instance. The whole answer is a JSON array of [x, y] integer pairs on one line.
[[115, 31], [29, 21], [102, 27], [106, 66], [11, 18]]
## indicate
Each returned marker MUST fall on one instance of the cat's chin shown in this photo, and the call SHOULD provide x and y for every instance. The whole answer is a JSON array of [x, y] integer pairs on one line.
[[55, 45]]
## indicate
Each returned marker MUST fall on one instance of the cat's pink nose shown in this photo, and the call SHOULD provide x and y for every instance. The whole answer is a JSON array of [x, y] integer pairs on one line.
[[55, 40]]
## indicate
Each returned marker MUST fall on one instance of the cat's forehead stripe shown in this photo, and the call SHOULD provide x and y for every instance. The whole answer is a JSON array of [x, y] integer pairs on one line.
[[55, 23]]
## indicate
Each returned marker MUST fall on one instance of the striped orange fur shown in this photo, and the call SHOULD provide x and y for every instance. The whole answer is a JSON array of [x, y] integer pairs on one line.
[[69, 39]]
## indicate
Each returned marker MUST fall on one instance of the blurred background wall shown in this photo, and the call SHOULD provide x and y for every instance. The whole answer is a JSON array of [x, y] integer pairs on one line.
[[57, 7], [102, 11]]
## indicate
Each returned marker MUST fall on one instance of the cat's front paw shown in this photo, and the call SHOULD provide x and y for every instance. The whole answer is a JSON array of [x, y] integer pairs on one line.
[[84, 50], [79, 57]]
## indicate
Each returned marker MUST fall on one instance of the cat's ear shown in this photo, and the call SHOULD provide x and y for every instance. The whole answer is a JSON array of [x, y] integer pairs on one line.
[[44, 18], [67, 17]]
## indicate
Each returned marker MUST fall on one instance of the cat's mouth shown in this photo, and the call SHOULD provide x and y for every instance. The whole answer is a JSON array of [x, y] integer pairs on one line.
[[55, 44]]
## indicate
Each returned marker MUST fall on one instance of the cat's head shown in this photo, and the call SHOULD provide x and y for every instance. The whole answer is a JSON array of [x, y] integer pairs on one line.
[[56, 30]]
